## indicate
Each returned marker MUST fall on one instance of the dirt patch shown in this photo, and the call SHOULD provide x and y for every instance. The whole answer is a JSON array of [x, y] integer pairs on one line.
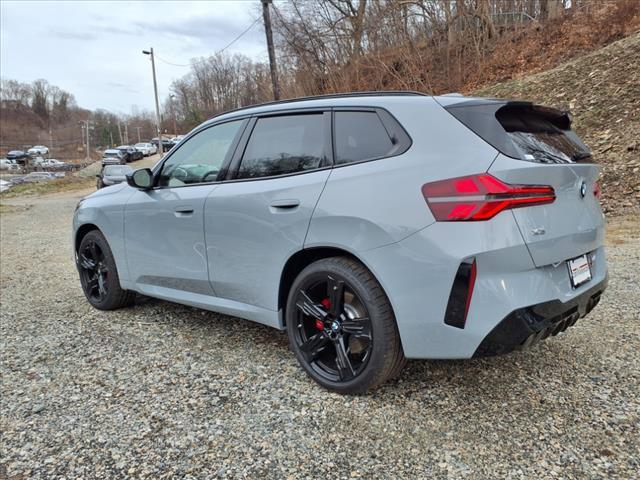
[[8, 208]]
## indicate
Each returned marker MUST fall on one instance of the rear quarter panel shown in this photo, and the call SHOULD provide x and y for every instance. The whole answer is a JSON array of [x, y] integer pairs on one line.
[[374, 203]]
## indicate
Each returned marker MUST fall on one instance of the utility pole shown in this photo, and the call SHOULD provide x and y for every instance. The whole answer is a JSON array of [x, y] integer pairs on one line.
[[138, 129], [86, 126], [173, 113], [272, 53], [155, 91], [50, 142], [126, 134], [110, 133], [120, 133]]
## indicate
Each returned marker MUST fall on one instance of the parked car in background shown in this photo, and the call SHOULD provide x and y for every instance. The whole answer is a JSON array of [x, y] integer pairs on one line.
[[35, 177], [167, 144], [146, 148], [53, 164], [38, 150], [112, 174], [9, 165], [131, 154], [370, 227], [18, 155], [113, 156]]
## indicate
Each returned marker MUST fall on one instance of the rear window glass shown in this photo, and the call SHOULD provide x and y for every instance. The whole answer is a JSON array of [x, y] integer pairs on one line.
[[542, 135], [523, 131], [117, 170], [284, 144], [360, 136]]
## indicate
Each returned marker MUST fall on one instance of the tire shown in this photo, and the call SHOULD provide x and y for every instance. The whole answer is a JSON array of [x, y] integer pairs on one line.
[[356, 323], [99, 275]]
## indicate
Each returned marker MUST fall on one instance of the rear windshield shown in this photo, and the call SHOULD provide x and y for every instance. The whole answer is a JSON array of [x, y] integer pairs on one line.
[[524, 131], [542, 134], [117, 170], [111, 154]]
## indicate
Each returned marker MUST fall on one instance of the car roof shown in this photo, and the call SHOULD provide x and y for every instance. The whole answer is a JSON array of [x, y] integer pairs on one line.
[[351, 99]]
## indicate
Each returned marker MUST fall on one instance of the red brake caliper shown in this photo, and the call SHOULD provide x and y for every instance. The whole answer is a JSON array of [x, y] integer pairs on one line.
[[326, 303]]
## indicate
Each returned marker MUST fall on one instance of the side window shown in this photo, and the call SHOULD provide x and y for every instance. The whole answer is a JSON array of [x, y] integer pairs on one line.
[[360, 136], [201, 157], [285, 144]]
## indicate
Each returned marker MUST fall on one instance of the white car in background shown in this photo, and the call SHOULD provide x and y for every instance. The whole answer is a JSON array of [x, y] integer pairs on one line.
[[38, 150], [9, 165], [54, 164], [146, 148]]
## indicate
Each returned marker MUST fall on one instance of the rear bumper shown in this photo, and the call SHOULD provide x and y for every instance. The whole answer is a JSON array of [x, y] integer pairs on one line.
[[418, 272], [526, 326]]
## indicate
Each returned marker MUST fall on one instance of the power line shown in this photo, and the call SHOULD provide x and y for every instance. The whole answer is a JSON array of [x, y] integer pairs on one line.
[[216, 53]]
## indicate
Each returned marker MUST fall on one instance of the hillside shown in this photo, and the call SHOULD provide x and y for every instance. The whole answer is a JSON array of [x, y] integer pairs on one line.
[[602, 90]]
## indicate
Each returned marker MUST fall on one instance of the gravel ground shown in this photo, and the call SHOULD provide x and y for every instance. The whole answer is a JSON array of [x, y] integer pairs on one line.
[[165, 391]]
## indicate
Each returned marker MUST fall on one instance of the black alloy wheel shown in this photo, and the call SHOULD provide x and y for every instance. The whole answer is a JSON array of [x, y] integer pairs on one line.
[[341, 326], [93, 271], [333, 328], [98, 274]]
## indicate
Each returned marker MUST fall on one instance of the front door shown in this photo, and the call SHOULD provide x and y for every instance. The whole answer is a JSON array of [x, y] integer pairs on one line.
[[164, 227]]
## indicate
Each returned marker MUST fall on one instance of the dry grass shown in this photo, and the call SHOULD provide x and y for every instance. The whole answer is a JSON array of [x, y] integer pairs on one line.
[[66, 184], [623, 229]]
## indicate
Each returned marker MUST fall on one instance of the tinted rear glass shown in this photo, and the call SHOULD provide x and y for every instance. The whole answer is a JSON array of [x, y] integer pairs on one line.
[[285, 144], [360, 136], [542, 134], [523, 131], [117, 170]]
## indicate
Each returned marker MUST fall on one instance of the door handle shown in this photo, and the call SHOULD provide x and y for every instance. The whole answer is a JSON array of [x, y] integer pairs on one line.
[[183, 211], [286, 203]]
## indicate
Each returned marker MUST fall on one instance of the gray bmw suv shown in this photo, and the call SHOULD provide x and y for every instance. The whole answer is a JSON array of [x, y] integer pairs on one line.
[[371, 227]]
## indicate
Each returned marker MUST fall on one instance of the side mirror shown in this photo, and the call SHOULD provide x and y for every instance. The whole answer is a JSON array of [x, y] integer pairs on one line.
[[142, 179]]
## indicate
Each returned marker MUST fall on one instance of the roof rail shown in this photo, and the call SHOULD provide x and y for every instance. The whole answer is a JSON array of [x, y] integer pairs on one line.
[[382, 93]]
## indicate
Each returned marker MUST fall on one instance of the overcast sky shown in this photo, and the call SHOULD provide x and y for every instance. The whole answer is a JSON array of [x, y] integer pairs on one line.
[[93, 49]]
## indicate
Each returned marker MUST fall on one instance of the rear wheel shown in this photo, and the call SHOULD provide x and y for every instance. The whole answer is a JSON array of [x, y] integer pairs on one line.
[[98, 274], [341, 326]]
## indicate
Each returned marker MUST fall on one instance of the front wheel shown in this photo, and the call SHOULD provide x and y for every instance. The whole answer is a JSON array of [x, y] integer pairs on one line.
[[98, 274], [341, 326]]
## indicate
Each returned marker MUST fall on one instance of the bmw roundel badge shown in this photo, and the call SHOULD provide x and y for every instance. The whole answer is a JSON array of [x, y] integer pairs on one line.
[[583, 189]]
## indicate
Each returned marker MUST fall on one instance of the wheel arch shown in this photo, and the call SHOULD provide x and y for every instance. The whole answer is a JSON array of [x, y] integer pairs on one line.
[[81, 232], [300, 260]]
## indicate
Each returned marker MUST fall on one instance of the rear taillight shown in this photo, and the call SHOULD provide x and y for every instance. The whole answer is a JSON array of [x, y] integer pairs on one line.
[[596, 189], [480, 197]]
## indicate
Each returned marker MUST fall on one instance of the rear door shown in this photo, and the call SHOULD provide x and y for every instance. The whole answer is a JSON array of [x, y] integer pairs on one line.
[[255, 221]]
